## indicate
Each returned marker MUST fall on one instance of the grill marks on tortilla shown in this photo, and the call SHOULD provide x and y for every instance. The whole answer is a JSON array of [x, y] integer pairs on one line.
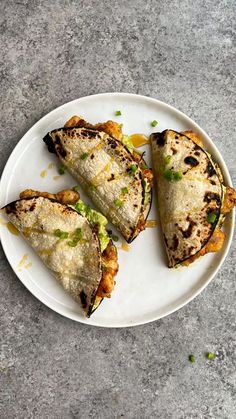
[[191, 161], [188, 232], [210, 170], [184, 205]]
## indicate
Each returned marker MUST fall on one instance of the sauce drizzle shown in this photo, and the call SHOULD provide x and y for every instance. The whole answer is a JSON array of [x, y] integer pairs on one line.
[[151, 223], [139, 140]]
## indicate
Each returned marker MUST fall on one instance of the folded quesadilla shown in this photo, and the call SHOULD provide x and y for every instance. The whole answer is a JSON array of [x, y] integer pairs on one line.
[[192, 197], [71, 240], [104, 162]]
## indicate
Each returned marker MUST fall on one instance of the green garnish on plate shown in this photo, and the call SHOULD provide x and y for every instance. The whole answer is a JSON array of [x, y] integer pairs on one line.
[[154, 123], [118, 113]]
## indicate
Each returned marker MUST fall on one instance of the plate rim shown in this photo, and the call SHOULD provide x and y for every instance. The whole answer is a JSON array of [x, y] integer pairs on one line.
[[228, 181]]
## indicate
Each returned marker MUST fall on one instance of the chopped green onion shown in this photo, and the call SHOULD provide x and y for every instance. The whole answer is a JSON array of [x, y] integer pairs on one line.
[[62, 169], [115, 238], [211, 217], [72, 243], [84, 156], [210, 355], [118, 203], [144, 167], [132, 169], [109, 232], [124, 190], [61, 234], [76, 188], [93, 187], [121, 125], [78, 234], [177, 176], [167, 160], [192, 358], [79, 206], [169, 175], [154, 123], [118, 113]]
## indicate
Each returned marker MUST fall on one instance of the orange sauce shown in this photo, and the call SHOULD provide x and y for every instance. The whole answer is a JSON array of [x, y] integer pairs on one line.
[[12, 229], [125, 247], [151, 223], [139, 140]]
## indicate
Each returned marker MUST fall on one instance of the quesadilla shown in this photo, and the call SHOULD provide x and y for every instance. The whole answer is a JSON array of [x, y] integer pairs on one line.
[[104, 162], [192, 198], [71, 240]]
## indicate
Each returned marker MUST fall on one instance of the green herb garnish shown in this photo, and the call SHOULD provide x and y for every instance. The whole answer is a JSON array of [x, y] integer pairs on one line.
[[177, 176], [84, 156], [144, 167], [93, 187], [169, 175], [167, 160], [62, 169], [192, 358], [115, 238], [211, 217], [78, 234], [118, 113], [72, 243], [210, 355], [124, 190], [132, 169], [118, 203], [121, 126], [75, 188], [154, 123], [61, 234]]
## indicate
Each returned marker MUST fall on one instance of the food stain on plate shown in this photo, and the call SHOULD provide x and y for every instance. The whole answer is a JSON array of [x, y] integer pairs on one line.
[[139, 140], [56, 177], [125, 247], [24, 262], [10, 227], [44, 172], [151, 223]]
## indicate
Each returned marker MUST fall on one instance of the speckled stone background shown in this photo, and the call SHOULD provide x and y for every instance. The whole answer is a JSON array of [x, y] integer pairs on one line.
[[181, 52]]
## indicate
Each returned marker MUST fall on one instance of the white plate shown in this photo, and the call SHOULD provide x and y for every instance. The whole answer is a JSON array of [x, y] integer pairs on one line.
[[146, 289]]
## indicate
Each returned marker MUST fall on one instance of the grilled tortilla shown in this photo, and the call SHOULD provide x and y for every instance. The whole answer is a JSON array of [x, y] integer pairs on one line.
[[190, 196], [116, 179], [67, 244]]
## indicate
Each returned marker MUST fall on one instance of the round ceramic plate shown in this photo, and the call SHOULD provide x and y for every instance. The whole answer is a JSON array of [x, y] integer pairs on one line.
[[146, 289]]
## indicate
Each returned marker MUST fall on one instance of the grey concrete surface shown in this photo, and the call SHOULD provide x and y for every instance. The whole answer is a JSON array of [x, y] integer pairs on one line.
[[181, 52]]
